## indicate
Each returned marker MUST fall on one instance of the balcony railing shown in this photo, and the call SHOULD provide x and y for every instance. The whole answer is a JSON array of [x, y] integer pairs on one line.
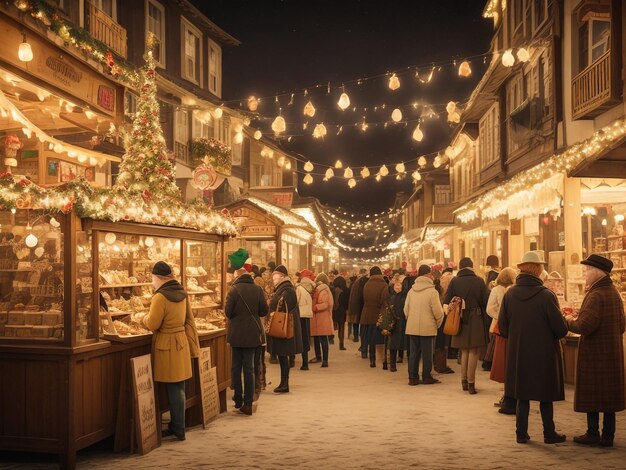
[[591, 88], [105, 29]]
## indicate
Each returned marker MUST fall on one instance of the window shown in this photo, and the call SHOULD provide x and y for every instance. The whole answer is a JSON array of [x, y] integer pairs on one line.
[[237, 153], [215, 69], [222, 131], [107, 6], [130, 103], [594, 38], [489, 139], [156, 26], [442, 194], [540, 12], [192, 53], [181, 131], [199, 126]]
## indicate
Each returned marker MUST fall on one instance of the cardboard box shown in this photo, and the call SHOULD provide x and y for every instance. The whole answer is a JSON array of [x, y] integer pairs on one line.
[[23, 331], [42, 331]]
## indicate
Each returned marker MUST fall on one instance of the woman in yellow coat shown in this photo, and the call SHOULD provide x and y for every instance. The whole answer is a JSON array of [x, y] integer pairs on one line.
[[174, 343]]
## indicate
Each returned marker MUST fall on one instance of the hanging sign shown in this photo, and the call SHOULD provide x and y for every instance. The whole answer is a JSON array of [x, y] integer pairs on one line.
[[145, 405], [209, 395], [205, 177]]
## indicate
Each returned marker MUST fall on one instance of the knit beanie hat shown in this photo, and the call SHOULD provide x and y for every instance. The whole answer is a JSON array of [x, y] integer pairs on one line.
[[281, 269], [239, 258], [323, 278], [466, 263], [161, 268], [375, 270]]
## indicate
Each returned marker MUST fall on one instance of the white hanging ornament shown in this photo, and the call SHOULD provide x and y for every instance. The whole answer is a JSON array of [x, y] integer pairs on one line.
[[348, 173], [288, 165], [329, 173], [365, 172], [418, 134], [308, 179], [258, 134], [344, 101], [523, 55], [110, 238], [218, 113], [351, 183], [279, 125], [451, 107], [308, 166], [384, 171], [253, 103], [437, 161], [421, 161], [454, 117], [31, 240], [309, 109], [508, 59], [338, 165], [400, 168], [416, 175], [464, 69], [396, 115], [394, 82], [319, 131], [54, 222]]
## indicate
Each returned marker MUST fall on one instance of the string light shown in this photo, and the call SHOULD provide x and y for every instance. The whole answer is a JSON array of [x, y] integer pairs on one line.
[[396, 115], [365, 172], [344, 101], [394, 82], [279, 126], [309, 109]]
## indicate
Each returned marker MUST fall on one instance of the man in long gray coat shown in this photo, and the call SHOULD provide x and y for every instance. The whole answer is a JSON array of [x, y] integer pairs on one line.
[[531, 320], [600, 365]]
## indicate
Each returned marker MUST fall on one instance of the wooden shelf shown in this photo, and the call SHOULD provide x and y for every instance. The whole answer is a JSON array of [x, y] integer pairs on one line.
[[113, 286], [199, 307], [23, 270], [200, 293]]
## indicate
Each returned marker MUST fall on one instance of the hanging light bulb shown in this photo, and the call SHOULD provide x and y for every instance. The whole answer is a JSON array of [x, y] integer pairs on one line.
[[351, 183], [258, 134], [288, 165], [308, 166], [238, 138], [309, 109], [347, 174], [384, 171], [281, 161], [416, 175], [338, 164], [394, 82], [279, 125], [54, 222], [319, 131], [396, 115], [523, 55], [25, 52], [400, 168], [110, 238], [464, 69], [418, 134], [344, 101], [218, 113], [378, 177], [329, 173], [508, 59], [253, 103], [421, 161], [31, 240], [451, 107], [454, 117], [308, 179], [437, 161], [365, 172]]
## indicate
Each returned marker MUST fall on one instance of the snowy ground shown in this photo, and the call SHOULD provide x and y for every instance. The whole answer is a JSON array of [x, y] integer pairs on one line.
[[353, 416]]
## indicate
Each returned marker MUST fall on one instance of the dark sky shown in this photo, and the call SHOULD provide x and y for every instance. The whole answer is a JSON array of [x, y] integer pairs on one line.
[[290, 45]]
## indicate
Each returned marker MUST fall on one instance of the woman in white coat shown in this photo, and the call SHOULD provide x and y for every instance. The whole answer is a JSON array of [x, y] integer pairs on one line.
[[304, 294]]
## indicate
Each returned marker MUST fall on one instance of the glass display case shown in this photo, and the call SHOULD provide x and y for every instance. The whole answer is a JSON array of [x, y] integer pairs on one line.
[[203, 282], [31, 276]]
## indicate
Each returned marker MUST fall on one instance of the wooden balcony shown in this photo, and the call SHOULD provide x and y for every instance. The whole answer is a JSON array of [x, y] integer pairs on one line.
[[443, 213], [592, 89], [103, 28], [181, 152]]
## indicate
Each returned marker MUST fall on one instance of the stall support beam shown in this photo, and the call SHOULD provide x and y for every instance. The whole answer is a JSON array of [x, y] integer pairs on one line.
[[573, 222]]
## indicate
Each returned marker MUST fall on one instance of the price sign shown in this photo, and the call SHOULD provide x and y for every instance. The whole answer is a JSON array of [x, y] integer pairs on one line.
[[145, 405], [209, 394]]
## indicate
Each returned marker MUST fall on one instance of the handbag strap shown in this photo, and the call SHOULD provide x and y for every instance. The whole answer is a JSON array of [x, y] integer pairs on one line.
[[249, 310]]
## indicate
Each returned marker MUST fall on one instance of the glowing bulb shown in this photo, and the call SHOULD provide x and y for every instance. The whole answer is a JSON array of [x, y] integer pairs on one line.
[[25, 52], [329, 173], [384, 171], [464, 69], [344, 101], [619, 218], [309, 109], [31, 240], [308, 166], [523, 55], [421, 161], [416, 175], [308, 179], [149, 241], [110, 238], [394, 82], [218, 113], [58, 148], [258, 135], [238, 138], [253, 103], [319, 131], [396, 115], [338, 164], [418, 134], [351, 183], [348, 173], [508, 60], [400, 168], [279, 125], [365, 172]]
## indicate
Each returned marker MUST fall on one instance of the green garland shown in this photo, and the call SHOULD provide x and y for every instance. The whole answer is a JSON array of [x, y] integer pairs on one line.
[[218, 153]]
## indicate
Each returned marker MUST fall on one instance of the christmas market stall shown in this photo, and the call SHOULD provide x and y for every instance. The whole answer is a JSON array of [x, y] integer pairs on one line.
[[75, 277]]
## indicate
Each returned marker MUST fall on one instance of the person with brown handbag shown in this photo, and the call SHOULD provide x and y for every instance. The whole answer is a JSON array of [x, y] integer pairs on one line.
[[282, 343]]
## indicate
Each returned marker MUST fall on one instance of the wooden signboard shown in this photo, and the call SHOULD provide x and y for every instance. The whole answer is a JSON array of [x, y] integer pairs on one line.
[[209, 395], [145, 414]]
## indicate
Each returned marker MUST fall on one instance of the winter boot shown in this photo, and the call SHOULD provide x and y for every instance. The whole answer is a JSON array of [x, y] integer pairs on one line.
[[283, 387]]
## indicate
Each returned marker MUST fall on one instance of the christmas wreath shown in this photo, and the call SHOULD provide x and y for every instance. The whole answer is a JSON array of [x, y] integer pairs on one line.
[[219, 154]]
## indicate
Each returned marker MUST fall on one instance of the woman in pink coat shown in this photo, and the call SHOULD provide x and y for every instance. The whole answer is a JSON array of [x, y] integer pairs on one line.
[[322, 321]]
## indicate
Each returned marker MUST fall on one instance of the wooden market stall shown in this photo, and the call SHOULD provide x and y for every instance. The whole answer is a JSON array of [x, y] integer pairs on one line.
[[64, 363]]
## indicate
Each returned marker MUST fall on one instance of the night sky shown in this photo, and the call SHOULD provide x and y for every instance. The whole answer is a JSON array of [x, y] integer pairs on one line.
[[291, 45]]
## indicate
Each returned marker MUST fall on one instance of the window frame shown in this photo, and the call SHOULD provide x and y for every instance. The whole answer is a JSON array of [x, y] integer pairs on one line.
[[98, 5], [489, 136], [187, 26], [217, 89], [177, 127], [161, 60]]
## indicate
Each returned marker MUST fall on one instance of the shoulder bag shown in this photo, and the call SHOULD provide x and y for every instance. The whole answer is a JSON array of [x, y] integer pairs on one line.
[[452, 326], [255, 317], [280, 325]]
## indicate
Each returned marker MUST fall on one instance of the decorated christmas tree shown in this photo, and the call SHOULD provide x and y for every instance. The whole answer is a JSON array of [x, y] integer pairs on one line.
[[145, 167]]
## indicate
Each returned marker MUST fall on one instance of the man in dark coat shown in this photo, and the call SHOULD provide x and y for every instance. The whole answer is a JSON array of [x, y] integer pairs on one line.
[[531, 320], [355, 304], [473, 336], [245, 304], [375, 296], [600, 365], [285, 297]]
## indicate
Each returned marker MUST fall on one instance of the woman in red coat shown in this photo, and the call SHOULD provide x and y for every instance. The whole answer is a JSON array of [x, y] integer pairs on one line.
[[600, 366], [322, 321]]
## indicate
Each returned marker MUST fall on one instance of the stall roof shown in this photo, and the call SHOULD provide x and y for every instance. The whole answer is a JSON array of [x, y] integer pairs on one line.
[[284, 216]]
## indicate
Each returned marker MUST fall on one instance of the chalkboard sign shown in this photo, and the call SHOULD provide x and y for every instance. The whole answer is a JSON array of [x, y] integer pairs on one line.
[[145, 405], [210, 399]]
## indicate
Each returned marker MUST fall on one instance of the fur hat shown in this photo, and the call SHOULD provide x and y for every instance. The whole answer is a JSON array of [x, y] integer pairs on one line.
[[161, 268]]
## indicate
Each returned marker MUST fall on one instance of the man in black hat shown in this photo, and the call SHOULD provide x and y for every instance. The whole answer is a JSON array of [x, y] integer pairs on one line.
[[600, 366]]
